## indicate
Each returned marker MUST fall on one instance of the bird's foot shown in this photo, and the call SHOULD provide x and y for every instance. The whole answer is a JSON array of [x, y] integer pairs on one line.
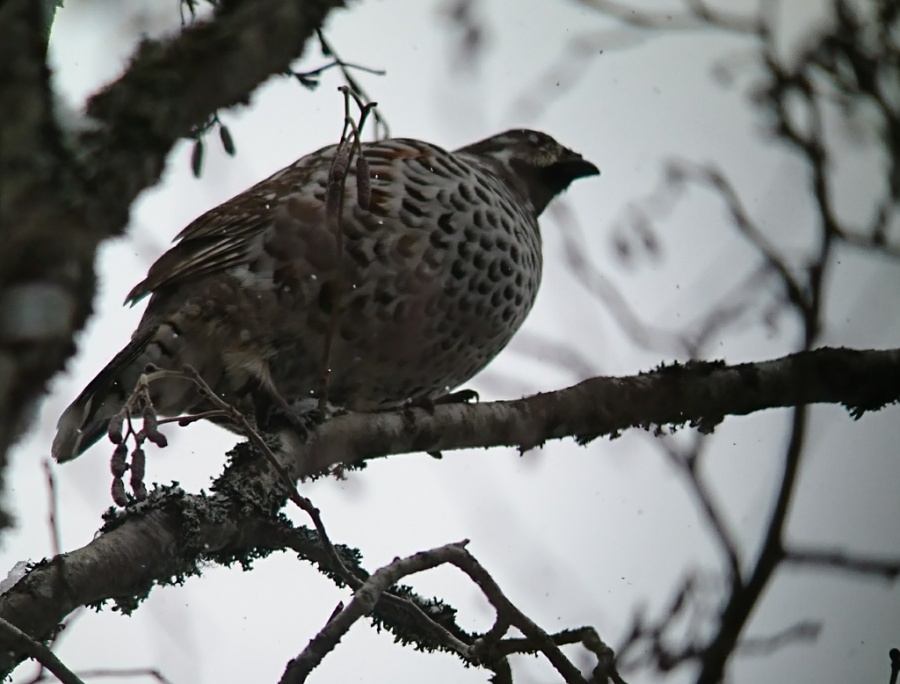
[[314, 412], [273, 412], [465, 396], [428, 404]]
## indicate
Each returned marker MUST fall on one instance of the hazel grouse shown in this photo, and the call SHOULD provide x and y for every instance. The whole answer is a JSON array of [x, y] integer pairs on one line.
[[424, 267]]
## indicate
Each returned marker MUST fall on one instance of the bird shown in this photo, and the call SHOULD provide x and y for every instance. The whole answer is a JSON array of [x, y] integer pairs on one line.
[[418, 271]]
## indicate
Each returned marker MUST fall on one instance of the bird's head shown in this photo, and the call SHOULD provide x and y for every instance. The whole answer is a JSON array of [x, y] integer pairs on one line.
[[534, 162]]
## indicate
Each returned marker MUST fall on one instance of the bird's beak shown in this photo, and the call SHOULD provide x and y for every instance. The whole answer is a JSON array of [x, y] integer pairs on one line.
[[575, 166]]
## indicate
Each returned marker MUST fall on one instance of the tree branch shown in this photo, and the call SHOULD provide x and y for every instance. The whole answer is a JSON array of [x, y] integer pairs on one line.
[[173, 85], [698, 393], [169, 535]]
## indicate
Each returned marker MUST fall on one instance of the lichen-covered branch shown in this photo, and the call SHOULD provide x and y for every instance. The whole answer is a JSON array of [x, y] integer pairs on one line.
[[696, 393], [167, 537]]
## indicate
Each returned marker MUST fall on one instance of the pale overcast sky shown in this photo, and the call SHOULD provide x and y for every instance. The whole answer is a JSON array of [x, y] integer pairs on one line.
[[573, 535]]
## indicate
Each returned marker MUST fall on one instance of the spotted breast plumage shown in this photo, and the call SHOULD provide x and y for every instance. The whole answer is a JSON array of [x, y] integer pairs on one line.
[[431, 267]]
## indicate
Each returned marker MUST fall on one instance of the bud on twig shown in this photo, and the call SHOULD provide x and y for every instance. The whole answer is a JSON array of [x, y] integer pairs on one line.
[[117, 464], [363, 183], [227, 140], [336, 175], [116, 429], [197, 158]]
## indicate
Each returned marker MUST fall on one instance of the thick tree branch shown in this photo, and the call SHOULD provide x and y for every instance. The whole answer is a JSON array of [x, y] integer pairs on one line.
[[46, 280], [697, 393], [173, 532], [173, 85]]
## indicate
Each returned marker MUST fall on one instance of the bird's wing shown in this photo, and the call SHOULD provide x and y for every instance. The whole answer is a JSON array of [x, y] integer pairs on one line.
[[223, 237]]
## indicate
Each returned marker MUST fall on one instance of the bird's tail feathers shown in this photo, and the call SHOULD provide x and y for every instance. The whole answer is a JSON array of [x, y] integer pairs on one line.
[[85, 421]]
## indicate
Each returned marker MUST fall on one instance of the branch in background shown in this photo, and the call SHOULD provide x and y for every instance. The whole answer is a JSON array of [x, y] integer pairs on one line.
[[846, 63], [744, 598], [552, 352], [568, 69], [308, 79], [593, 280], [649, 639], [886, 568], [472, 33], [747, 301], [802, 631], [697, 14], [688, 462]]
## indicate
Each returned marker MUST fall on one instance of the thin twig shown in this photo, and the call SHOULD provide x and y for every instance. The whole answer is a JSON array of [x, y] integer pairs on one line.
[[305, 504], [123, 673], [334, 215], [697, 15], [756, 646], [365, 598], [17, 640], [688, 462], [52, 507], [714, 179], [382, 130], [888, 568]]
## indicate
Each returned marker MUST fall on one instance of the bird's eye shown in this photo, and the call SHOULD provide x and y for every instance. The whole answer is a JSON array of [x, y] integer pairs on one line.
[[534, 139]]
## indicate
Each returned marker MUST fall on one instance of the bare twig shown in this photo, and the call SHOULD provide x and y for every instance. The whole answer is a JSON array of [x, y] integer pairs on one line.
[[697, 15], [714, 179], [688, 462], [365, 598], [802, 631], [382, 130], [593, 281], [887, 568], [14, 638], [52, 507], [121, 673], [310, 78], [349, 145]]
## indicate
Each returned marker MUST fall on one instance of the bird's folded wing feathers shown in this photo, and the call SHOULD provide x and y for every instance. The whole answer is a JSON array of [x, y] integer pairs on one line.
[[212, 243], [222, 237]]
